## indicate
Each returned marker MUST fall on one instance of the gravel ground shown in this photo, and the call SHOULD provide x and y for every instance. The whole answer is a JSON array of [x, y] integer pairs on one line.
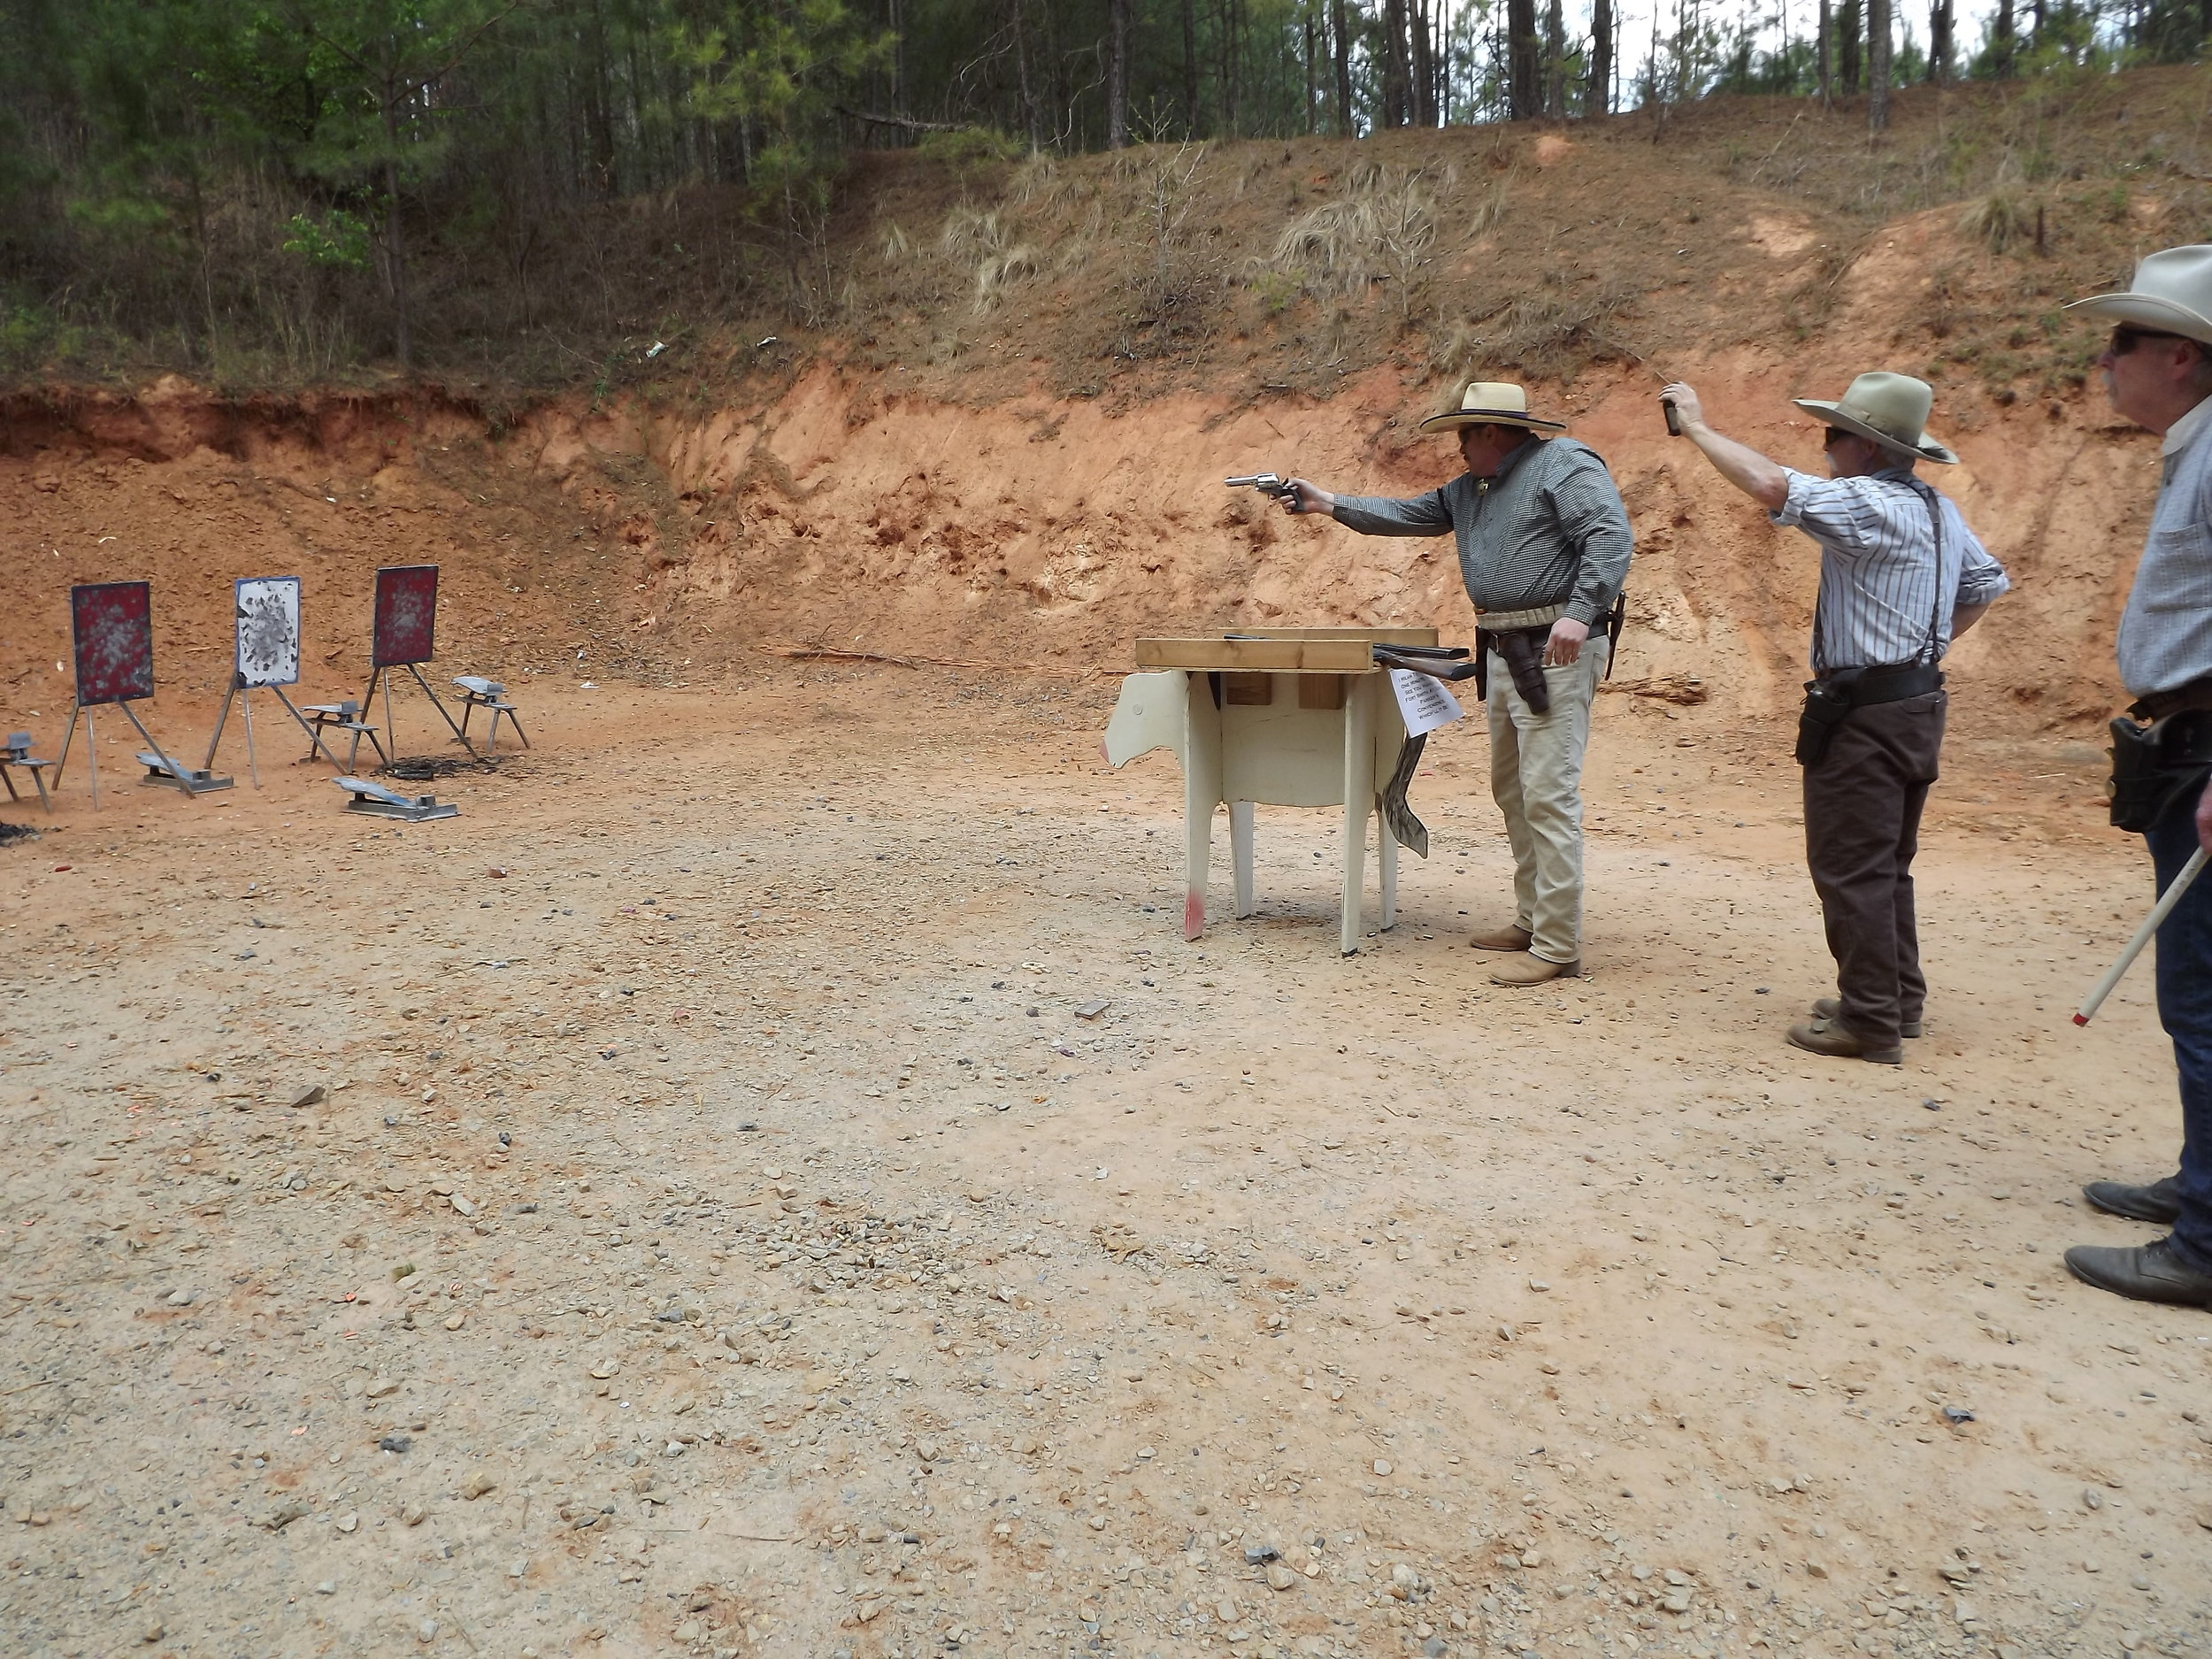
[[770, 1178]]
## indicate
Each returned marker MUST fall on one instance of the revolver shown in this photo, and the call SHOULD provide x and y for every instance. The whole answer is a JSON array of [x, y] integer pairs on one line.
[[1267, 484]]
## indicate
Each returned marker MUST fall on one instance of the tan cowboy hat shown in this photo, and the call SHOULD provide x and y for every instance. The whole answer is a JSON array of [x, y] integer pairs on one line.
[[1890, 408], [1491, 403], [2169, 294]]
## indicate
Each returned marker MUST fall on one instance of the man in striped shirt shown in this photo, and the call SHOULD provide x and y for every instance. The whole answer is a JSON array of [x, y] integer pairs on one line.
[[1901, 576], [2158, 372], [1544, 546]]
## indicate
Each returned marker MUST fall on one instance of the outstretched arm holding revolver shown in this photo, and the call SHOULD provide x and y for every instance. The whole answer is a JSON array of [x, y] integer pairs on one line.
[[1485, 450]]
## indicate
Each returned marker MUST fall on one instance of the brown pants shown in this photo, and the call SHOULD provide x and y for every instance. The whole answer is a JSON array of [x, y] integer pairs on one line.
[[1862, 806]]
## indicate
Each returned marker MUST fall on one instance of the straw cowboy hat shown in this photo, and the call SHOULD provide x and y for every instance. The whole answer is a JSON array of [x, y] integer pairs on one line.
[[1491, 403], [2169, 294], [1890, 408]]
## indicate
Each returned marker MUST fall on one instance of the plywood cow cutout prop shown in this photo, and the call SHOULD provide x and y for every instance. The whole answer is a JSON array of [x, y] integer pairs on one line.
[[1278, 718]]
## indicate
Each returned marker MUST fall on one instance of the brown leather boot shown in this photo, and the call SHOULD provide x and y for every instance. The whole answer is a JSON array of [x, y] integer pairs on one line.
[[1837, 1040], [1832, 1008], [1512, 937], [1528, 968]]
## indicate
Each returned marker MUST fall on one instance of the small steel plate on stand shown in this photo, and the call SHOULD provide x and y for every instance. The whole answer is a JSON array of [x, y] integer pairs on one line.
[[161, 770], [378, 802]]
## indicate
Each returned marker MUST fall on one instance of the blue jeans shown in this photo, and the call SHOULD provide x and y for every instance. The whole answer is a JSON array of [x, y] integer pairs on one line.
[[2184, 1008]]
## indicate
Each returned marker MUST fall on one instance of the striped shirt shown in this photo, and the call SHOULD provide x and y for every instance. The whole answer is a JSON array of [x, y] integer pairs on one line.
[[1548, 529], [1883, 592], [2166, 630]]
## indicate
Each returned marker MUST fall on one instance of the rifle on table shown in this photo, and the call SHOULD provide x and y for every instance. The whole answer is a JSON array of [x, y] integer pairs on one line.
[[1438, 662]]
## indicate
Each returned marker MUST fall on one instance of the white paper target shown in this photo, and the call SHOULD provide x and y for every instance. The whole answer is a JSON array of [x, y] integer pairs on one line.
[[268, 630]]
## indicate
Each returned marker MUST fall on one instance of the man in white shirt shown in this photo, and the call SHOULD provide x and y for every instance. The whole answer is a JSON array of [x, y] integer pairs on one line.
[[1901, 576], [2158, 372]]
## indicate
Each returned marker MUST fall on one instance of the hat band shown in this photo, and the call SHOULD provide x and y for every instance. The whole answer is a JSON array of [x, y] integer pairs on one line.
[[1500, 416]]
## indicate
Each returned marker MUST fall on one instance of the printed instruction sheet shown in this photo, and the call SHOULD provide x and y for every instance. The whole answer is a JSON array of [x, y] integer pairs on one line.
[[1424, 702]]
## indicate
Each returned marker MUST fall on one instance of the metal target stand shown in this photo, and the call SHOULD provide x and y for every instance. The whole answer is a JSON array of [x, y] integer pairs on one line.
[[112, 639], [243, 691], [267, 658], [382, 674], [401, 637]]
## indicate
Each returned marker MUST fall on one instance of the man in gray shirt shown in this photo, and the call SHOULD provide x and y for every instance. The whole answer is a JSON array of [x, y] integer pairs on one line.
[[2158, 371], [1544, 546]]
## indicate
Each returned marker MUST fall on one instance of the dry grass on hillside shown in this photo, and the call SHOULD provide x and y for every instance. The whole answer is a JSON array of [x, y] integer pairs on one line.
[[1291, 265], [1280, 265]]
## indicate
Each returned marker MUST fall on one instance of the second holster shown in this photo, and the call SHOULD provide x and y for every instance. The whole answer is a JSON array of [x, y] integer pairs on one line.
[[2154, 765]]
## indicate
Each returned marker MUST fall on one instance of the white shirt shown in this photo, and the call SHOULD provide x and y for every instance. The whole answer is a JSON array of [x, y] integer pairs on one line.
[[1887, 593]]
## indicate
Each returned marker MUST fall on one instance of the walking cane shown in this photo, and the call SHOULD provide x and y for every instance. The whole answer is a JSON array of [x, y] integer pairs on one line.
[[2158, 913]]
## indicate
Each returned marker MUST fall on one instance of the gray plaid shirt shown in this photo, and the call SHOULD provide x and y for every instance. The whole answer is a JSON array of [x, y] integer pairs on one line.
[[1549, 529], [2166, 632]]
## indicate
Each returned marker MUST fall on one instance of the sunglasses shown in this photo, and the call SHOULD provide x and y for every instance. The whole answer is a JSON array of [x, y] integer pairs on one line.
[[2126, 337]]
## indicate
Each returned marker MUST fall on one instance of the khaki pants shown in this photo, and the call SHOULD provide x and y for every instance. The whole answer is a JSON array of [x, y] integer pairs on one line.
[[1536, 779]]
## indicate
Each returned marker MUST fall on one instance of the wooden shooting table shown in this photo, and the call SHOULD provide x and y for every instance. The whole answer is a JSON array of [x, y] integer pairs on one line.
[[1278, 717]]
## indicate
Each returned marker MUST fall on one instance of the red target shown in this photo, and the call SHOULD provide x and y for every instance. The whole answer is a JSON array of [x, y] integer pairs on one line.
[[112, 631], [406, 614]]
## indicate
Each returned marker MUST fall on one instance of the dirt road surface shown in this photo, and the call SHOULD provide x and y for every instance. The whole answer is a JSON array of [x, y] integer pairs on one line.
[[783, 1185]]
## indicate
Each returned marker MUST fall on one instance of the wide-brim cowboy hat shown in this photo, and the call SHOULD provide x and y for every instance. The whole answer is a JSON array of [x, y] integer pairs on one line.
[[1890, 408], [2170, 294], [1491, 403]]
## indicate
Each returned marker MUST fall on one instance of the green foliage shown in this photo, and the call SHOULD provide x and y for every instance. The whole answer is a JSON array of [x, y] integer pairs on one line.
[[33, 337], [778, 71], [336, 238], [305, 182], [1277, 289]]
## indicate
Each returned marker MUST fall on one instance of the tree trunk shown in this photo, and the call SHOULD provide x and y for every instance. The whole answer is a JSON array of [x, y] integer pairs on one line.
[[1229, 9], [1940, 24], [1554, 61], [1825, 54], [898, 60], [1850, 43], [1312, 46], [394, 245], [599, 109], [1423, 74], [1340, 29], [1441, 59], [1597, 97], [1878, 48], [2004, 39], [1021, 70], [1190, 68], [1524, 82], [1395, 87], [1117, 75]]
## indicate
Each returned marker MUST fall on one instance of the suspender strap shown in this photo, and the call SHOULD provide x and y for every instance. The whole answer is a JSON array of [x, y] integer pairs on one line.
[[1931, 648]]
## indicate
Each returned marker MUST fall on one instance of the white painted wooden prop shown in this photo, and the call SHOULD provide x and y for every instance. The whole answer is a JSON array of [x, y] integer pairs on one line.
[[1264, 741]]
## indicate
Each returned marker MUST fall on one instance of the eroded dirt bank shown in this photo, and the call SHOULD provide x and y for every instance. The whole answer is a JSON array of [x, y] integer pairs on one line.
[[844, 511], [731, 1226]]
